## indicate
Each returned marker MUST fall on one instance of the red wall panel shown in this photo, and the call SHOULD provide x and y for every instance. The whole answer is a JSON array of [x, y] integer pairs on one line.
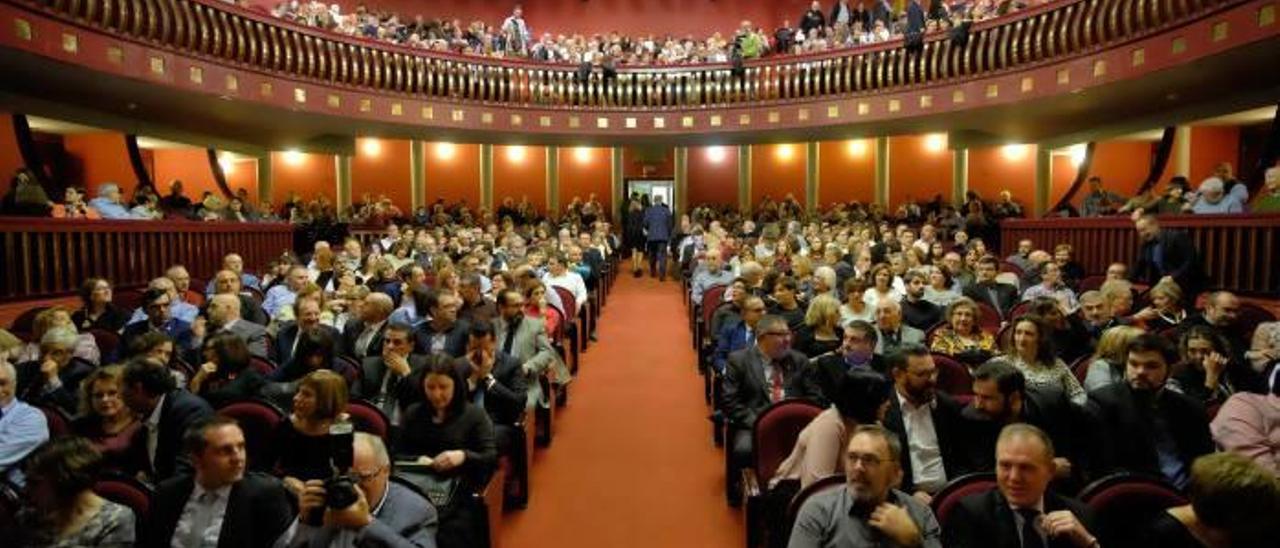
[[308, 175], [10, 158], [453, 173], [381, 167], [993, 169], [584, 171], [1122, 165], [521, 171], [710, 181], [1210, 146], [103, 157], [244, 174], [916, 172], [778, 170], [846, 171], [190, 165]]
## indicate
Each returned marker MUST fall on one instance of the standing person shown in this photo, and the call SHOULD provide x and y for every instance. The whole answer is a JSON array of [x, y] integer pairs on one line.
[[633, 232], [1167, 254], [657, 229]]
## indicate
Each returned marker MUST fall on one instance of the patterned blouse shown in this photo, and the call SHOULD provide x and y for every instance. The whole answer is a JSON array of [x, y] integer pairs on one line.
[[947, 341], [111, 527], [1056, 376]]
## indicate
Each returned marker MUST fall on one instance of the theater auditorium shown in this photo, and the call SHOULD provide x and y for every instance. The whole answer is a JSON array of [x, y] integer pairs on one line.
[[639, 273]]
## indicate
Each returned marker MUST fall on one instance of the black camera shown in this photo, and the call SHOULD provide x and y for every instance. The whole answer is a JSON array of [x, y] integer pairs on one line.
[[340, 489]]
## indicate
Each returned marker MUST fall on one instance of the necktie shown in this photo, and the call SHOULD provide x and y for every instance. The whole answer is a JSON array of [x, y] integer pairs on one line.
[[775, 387], [1030, 536], [511, 335]]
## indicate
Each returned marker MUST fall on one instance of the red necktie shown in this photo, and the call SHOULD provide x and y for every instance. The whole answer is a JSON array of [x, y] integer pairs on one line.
[[775, 388]]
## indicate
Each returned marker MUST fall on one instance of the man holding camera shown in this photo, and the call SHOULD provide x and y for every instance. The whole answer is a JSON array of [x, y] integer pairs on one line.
[[384, 513]]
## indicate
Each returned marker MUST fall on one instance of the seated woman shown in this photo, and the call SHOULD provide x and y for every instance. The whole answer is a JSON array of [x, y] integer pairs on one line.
[[1248, 424], [1234, 503], [1264, 349], [862, 398], [855, 305], [300, 445], [962, 337], [1203, 372], [1031, 351], [73, 205], [1166, 311], [821, 331], [1051, 285], [882, 287], [86, 348], [98, 312], [940, 290], [535, 295], [1107, 365], [61, 509], [106, 421], [225, 375], [454, 439]]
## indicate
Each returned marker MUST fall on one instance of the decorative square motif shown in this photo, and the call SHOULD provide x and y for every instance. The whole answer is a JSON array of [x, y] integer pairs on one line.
[[993, 91], [366, 105], [895, 105], [1099, 68], [544, 121], [744, 119], [1139, 57], [774, 117], [575, 122], [517, 120], [333, 101], [1028, 83], [686, 121], [266, 89], [1220, 31], [715, 120], [397, 109], [957, 96], [115, 55], [1267, 15], [196, 74], [22, 29], [833, 111], [486, 118], [926, 101], [864, 109], [232, 83], [1178, 46], [428, 113], [659, 122], [802, 114], [602, 123], [1064, 77], [299, 95], [70, 43], [458, 115], [157, 65], [630, 123]]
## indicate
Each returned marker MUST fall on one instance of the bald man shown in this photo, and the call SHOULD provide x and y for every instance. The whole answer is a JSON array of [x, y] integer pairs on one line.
[[891, 333], [362, 338], [223, 314]]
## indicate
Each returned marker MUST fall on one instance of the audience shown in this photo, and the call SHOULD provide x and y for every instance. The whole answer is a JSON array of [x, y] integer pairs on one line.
[[62, 509], [1233, 503], [105, 421]]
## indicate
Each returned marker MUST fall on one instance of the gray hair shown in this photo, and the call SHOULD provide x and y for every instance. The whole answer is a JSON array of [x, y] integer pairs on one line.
[[59, 337], [379, 449], [108, 188]]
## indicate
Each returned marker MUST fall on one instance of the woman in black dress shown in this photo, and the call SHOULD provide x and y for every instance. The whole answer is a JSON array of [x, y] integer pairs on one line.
[[300, 444], [633, 233]]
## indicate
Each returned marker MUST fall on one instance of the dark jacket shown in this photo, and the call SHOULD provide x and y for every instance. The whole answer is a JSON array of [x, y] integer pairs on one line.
[[1048, 410], [258, 512], [1006, 296], [32, 388], [746, 393], [179, 411], [949, 426], [112, 319], [985, 520], [351, 333], [455, 342], [1179, 259], [1125, 440], [287, 337], [827, 371], [505, 399]]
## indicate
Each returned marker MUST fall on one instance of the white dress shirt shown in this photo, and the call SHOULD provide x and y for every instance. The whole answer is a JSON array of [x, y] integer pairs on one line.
[[922, 443], [152, 424], [201, 521]]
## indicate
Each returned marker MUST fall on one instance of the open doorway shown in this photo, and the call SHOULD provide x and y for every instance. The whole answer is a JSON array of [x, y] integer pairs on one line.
[[653, 188]]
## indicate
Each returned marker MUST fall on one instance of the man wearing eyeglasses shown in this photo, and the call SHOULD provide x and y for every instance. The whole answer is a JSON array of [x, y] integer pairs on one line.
[[869, 511]]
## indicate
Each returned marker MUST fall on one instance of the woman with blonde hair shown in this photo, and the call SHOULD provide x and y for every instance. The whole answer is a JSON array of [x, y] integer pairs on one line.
[[1108, 362], [821, 331], [105, 420], [1166, 309], [301, 443], [86, 348]]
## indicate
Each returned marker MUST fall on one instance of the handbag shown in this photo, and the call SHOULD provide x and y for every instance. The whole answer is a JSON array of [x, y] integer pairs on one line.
[[441, 490]]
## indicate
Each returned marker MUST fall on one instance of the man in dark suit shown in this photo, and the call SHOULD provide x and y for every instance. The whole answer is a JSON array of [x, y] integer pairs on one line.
[[444, 333], [254, 509], [384, 379], [856, 352], [1000, 398], [1167, 254], [496, 383], [166, 412], [1142, 425], [928, 423], [740, 334], [475, 306], [1020, 512], [385, 514], [156, 304], [54, 379], [363, 338], [307, 312], [224, 315], [987, 290], [755, 378]]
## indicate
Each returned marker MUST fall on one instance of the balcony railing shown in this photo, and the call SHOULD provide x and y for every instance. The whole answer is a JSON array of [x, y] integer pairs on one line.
[[223, 33]]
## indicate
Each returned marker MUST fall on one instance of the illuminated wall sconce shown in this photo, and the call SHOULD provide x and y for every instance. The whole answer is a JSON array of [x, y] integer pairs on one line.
[[582, 155], [371, 147], [716, 154], [515, 154], [293, 157], [935, 142], [1014, 152], [785, 152], [857, 148], [1076, 153], [445, 151]]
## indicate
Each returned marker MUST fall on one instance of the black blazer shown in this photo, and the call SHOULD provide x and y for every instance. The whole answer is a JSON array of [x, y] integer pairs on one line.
[[374, 369], [1124, 429], [745, 391], [247, 385], [950, 427], [31, 384], [455, 343], [505, 400], [282, 352], [112, 319], [1181, 261], [985, 520], [1048, 410], [1006, 295], [180, 410], [828, 370], [258, 512], [351, 332]]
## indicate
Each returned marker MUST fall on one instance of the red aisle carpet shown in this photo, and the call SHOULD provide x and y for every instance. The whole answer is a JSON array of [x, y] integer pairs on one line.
[[631, 464]]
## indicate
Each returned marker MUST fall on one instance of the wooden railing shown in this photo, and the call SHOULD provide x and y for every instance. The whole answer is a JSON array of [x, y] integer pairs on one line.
[[1240, 252], [220, 32], [52, 257]]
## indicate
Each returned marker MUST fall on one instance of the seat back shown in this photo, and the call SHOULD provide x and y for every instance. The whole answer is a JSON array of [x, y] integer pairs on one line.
[[1006, 266], [1080, 367], [1121, 500], [108, 344], [833, 481], [775, 433], [194, 298], [57, 420], [568, 300], [25, 322], [1005, 337], [366, 417], [126, 491], [710, 301], [262, 365], [956, 490], [1092, 283], [990, 317], [953, 376], [349, 368], [1251, 316], [1019, 309], [258, 420], [1009, 278]]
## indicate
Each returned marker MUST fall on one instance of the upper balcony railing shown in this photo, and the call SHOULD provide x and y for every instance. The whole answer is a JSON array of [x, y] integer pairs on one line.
[[223, 33]]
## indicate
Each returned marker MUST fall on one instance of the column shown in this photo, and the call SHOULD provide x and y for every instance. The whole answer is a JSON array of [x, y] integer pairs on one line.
[[417, 173], [342, 164], [744, 178], [682, 178], [265, 184], [812, 182], [882, 172], [616, 180], [959, 175], [553, 179], [486, 176], [1044, 179], [1182, 151]]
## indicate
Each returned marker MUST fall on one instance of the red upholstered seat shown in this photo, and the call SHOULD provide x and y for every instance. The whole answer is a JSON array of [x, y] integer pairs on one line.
[[25, 322], [258, 419], [108, 344], [1092, 283], [775, 434], [366, 417], [1080, 367], [349, 368], [1020, 309], [1121, 500], [262, 365], [953, 376], [1011, 268], [830, 482], [990, 317], [127, 491], [956, 490], [57, 420]]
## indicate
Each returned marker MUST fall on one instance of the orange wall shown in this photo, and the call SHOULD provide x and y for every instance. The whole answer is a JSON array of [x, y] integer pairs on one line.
[[712, 182], [583, 171], [191, 166], [313, 175], [846, 173], [1064, 173], [10, 157], [516, 177], [1210, 146], [778, 170], [1122, 165], [381, 167], [103, 157], [454, 177], [915, 172], [243, 174], [991, 171]]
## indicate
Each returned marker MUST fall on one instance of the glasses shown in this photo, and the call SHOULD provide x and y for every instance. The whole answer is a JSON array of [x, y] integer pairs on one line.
[[366, 476], [867, 461]]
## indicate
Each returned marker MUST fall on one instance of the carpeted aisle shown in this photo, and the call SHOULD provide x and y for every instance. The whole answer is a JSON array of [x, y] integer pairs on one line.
[[632, 462]]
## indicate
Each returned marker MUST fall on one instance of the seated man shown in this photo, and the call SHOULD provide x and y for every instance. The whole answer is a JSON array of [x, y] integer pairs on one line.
[[987, 290], [1144, 427], [525, 339], [444, 333], [1222, 315], [495, 380], [1001, 398], [710, 273], [740, 334], [868, 511], [156, 303], [283, 295], [928, 424], [559, 275], [219, 504], [891, 333], [1095, 314], [857, 351], [166, 412], [307, 314], [178, 308], [916, 311], [54, 379], [225, 282], [224, 315], [1020, 511], [22, 427], [384, 377], [362, 337], [475, 307]]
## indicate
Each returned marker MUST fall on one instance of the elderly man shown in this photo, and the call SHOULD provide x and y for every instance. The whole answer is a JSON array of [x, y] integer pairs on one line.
[[226, 282], [281, 296], [1021, 257], [891, 333], [869, 510], [235, 264], [22, 427], [224, 315], [475, 306], [1213, 199], [1020, 510], [108, 203], [306, 316], [54, 379], [363, 337], [384, 514], [740, 334]]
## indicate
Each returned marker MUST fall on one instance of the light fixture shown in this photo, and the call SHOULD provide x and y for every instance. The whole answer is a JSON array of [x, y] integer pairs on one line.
[[293, 157], [1013, 152], [716, 154], [226, 163], [371, 147], [1076, 153], [935, 142], [582, 155], [445, 151], [515, 154], [785, 152], [857, 148]]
